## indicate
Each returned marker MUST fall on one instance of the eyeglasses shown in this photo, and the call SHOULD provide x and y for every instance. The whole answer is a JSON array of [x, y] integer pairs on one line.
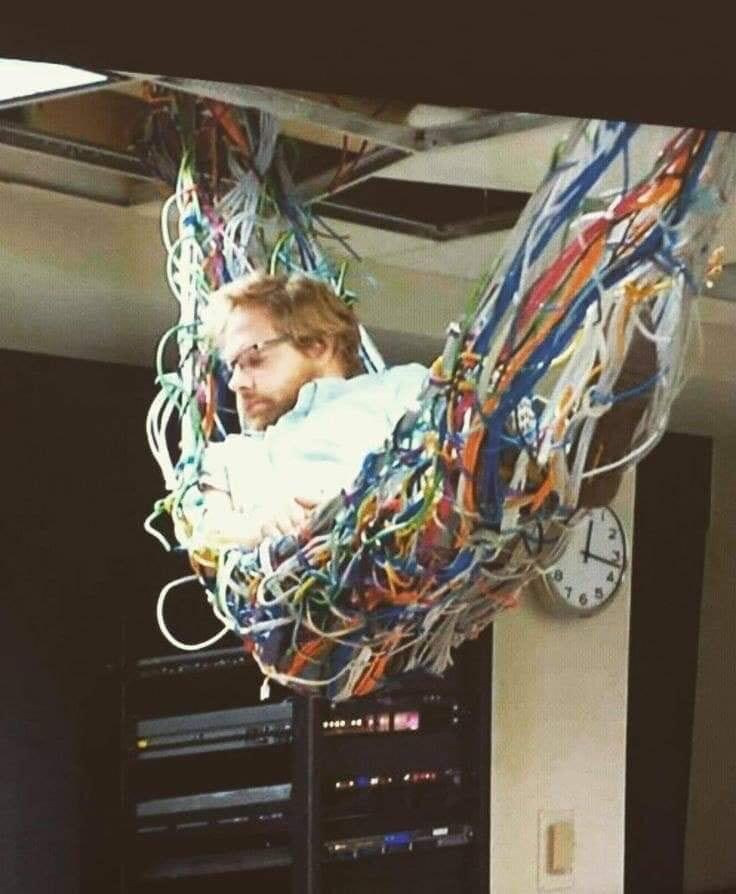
[[250, 357]]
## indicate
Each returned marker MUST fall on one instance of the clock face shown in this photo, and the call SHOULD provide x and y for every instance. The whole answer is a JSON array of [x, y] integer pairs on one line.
[[593, 564]]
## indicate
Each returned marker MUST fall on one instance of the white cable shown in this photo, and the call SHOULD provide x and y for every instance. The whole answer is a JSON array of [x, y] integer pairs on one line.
[[628, 458], [186, 647], [164, 218], [148, 526]]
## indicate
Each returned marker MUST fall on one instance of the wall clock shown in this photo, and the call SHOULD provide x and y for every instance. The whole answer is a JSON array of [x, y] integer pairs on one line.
[[589, 573]]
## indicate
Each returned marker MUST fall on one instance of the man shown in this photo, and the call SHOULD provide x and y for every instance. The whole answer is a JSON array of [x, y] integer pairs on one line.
[[308, 412]]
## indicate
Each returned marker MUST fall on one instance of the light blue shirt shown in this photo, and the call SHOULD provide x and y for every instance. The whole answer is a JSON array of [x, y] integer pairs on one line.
[[317, 448]]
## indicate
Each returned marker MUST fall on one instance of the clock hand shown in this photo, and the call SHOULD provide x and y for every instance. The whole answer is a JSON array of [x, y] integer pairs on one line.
[[606, 561], [586, 551]]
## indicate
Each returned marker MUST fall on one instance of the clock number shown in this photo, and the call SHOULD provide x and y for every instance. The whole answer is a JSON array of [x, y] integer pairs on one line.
[[557, 576], [610, 577], [599, 592], [569, 591], [617, 555], [583, 599], [613, 533]]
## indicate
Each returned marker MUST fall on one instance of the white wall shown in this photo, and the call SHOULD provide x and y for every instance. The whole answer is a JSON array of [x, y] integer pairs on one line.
[[559, 736], [80, 278]]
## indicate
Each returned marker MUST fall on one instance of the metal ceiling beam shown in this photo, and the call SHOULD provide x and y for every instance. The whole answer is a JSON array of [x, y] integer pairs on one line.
[[483, 127], [307, 191], [490, 223], [318, 191], [73, 150], [330, 183], [286, 104]]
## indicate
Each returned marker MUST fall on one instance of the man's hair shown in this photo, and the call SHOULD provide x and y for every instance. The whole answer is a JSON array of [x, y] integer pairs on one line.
[[305, 309]]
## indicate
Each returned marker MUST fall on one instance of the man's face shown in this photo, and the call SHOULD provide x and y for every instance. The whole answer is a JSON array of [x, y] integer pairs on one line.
[[266, 382]]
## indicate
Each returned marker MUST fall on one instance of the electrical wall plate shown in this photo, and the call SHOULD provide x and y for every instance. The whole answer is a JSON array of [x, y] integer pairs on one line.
[[549, 877]]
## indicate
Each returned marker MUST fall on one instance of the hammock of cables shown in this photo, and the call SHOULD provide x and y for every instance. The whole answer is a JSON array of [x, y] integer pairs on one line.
[[473, 494]]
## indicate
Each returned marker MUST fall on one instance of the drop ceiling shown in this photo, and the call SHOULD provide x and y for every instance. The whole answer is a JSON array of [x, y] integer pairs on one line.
[[82, 271]]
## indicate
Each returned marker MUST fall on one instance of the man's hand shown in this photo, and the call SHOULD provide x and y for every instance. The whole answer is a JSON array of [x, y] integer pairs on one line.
[[223, 526], [286, 517]]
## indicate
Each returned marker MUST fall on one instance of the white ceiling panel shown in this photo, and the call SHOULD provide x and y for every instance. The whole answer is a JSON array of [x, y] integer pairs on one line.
[[369, 242], [516, 161], [468, 258]]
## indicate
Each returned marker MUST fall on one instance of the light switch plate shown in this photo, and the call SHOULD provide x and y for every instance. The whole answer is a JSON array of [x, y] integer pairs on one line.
[[546, 881]]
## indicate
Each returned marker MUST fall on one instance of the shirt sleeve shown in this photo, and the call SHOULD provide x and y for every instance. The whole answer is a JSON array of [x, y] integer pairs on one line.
[[240, 467], [334, 443], [331, 464], [213, 471], [406, 383]]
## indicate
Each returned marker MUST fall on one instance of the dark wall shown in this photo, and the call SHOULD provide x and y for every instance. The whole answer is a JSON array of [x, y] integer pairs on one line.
[[78, 480], [671, 518]]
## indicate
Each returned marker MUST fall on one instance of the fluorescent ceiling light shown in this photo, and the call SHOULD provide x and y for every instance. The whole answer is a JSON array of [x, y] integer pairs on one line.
[[22, 82]]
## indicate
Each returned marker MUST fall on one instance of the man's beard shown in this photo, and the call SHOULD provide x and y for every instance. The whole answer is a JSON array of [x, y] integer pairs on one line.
[[267, 413]]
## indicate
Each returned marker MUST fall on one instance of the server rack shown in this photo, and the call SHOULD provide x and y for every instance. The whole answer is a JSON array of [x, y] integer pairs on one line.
[[220, 789]]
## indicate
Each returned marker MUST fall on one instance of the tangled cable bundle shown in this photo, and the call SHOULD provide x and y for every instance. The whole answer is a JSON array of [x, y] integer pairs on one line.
[[216, 226], [587, 311]]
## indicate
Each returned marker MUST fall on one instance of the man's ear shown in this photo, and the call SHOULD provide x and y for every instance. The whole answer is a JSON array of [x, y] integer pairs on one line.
[[318, 349]]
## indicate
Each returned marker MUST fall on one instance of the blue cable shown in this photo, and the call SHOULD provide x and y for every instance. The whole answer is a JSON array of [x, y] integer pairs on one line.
[[631, 392]]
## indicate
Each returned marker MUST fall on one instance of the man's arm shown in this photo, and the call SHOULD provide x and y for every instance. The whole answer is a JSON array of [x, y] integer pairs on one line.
[[226, 520], [221, 525]]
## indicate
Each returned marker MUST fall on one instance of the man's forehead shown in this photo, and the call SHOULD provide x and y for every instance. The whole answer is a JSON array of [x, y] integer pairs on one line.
[[245, 327]]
